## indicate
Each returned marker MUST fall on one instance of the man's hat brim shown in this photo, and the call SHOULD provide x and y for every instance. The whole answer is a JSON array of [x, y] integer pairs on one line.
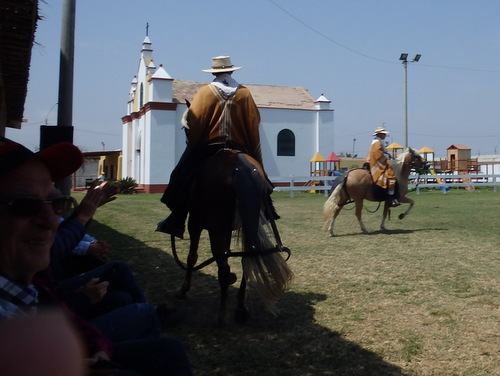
[[61, 159], [221, 70]]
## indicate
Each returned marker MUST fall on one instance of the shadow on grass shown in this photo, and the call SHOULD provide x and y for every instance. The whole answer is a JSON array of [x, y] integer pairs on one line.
[[293, 344], [390, 232]]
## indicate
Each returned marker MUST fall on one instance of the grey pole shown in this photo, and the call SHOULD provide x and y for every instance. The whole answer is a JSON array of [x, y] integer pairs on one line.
[[403, 58], [66, 67], [405, 64]]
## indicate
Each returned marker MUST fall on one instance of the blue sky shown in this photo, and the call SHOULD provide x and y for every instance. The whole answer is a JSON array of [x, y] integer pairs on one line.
[[347, 50]]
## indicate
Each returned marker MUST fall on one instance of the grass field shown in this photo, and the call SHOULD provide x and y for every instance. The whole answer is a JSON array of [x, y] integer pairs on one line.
[[420, 299]]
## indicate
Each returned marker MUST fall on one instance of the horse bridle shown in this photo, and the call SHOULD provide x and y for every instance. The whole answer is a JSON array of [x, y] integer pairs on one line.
[[415, 157], [279, 248]]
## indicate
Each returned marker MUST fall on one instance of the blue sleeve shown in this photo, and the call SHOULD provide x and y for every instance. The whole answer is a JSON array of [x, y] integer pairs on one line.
[[69, 234], [82, 247]]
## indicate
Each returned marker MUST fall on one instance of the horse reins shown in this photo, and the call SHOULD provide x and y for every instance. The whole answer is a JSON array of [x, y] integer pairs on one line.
[[229, 253]]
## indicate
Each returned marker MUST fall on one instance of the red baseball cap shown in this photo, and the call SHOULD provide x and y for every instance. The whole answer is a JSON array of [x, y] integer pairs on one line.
[[61, 159]]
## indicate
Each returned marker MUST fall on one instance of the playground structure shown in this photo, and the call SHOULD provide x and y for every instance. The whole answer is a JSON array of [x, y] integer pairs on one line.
[[458, 161], [458, 167], [395, 148], [318, 166]]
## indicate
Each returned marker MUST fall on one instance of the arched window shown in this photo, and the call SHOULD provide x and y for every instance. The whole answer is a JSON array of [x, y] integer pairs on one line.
[[286, 143], [141, 98]]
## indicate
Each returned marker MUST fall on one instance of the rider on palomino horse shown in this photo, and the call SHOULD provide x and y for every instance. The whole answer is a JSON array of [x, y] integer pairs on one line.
[[382, 174], [223, 114]]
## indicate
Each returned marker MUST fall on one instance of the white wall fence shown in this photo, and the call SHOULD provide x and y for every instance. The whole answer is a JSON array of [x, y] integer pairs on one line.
[[443, 182]]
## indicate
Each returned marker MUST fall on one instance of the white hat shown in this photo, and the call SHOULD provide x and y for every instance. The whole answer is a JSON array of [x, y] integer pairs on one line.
[[379, 130], [221, 64]]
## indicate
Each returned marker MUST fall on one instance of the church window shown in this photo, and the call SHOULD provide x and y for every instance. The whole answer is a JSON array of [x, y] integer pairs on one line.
[[141, 96], [286, 143]]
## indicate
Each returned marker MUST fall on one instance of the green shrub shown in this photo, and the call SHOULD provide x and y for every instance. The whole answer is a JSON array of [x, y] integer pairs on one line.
[[127, 185]]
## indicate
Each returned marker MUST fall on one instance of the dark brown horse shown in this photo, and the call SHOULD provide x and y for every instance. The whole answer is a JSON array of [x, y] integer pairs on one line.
[[231, 194], [358, 185]]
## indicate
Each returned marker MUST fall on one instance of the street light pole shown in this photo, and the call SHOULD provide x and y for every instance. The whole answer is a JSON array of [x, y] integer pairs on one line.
[[405, 65], [404, 58]]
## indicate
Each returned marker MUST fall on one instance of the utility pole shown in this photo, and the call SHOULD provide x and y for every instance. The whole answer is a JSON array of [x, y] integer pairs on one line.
[[404, 58], [50, 135]]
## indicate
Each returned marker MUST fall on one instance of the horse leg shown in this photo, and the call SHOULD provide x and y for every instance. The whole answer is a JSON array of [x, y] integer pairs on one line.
[[192, 258], [359, 208], [226, 279], [241, 314], [220, 241], [387, 206], [336, 212], [406, 200]]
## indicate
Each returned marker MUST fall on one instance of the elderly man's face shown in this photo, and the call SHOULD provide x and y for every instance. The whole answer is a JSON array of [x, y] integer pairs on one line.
[[26, 240]]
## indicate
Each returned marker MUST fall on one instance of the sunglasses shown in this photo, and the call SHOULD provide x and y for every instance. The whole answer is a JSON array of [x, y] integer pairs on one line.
[[31, 206]]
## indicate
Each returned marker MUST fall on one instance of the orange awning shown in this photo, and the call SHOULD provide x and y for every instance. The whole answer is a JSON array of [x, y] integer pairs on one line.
[[395, 146], [425, 149], [317, 158]]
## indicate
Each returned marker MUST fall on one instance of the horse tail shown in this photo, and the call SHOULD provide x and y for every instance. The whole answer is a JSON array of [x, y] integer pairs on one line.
[[267, 272], [337, 196]]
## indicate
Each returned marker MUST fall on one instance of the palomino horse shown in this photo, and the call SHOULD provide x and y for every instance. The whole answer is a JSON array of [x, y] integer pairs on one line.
[[231, 193], [357, 185]]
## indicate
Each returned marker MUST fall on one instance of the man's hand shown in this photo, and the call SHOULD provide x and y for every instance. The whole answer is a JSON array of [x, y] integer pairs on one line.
[[110, 191], [94, 290], [100, 250], [97, 195]]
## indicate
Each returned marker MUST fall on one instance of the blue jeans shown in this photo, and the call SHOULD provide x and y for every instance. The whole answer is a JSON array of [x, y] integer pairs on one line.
[[134, 321], [161, 356], [122, 290], [134, 332]]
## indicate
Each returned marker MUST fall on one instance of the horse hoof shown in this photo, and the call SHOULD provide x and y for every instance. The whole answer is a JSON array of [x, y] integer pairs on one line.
[[241, 315], [232, 278], [401, 216]]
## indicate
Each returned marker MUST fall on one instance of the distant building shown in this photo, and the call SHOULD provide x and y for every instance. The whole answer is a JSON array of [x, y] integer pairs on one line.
[[489, 164], [294, 126], [458, 160], [104, 165]]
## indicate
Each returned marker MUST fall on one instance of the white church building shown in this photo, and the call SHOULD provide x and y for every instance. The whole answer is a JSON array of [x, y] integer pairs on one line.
[[294, 126]]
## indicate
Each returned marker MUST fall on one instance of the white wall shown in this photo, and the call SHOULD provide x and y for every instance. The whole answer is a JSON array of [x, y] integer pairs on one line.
[[163, 151], [303, 123]]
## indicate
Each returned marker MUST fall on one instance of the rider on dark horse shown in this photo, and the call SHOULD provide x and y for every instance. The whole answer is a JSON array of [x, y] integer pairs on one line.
[[382, 174], [222, 115]]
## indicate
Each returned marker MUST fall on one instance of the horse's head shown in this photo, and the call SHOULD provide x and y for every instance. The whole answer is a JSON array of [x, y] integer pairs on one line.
[[415, 160]]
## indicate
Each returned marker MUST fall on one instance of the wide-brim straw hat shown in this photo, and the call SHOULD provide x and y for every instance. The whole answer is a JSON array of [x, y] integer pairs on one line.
[[221, 64], [380, 130]]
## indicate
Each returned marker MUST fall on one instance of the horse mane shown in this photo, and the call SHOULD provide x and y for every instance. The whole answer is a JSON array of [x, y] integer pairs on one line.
[[398, 162]]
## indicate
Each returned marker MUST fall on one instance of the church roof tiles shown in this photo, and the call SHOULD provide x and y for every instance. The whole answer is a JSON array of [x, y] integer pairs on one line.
[[265, 96]]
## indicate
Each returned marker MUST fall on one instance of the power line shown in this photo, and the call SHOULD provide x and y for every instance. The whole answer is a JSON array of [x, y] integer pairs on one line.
[[327, 37], [38, 123], [368, 56], [94, 132]]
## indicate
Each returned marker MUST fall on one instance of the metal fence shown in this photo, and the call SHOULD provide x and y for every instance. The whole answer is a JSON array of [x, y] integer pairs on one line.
[[443, 182]]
